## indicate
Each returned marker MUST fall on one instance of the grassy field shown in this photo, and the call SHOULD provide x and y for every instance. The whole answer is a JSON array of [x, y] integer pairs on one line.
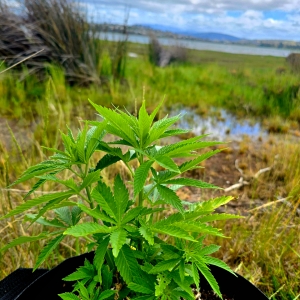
[[247, 85], [265, 245]]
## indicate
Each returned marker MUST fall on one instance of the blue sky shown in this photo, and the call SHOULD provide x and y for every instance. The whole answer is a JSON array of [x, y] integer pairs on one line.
[[252, 19]]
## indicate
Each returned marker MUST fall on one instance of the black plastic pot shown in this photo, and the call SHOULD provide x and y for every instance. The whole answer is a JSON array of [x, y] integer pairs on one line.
[[43, 284]]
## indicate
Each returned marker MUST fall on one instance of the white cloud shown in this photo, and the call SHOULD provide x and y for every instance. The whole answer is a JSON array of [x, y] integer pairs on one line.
[[250, 19]]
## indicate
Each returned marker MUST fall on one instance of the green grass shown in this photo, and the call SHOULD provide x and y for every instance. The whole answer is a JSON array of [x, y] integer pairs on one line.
[[244, 84], [264, 246]]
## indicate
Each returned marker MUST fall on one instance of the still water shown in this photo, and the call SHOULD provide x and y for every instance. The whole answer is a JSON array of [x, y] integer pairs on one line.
[[237, 49], [223, 125]]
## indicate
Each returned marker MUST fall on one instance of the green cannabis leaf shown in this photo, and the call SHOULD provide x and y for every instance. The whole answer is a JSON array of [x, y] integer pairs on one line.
[[148, 243]]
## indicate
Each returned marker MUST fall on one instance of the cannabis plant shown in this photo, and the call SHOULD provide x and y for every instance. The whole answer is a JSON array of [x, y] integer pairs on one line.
[[148, 244]]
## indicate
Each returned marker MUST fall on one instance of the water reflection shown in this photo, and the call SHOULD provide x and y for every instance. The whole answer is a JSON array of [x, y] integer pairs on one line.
[[221, 125]]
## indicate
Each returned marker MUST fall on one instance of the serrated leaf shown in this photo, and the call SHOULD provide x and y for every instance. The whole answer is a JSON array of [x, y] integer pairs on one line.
[[131, 214], [159, 128], [81, 143], [120, 142], [45, 167], [170, 252], [107, 277], [188, 147], [156, 109], [163, 282], [191, 226], [170, 197], [191, 182], [83, 290], [70, 183], [208, 250], [185, 285], [31, 203], [121, 197], [102, 194], [61, 153], [106, 161], [173, 132], [140, 288], [209, 277], [50, 205], [43, 221], [213, 203], [94, 136], [217, 217], [118, 125], [106, 294], [141, 175], [174, 218], [68, 296], [144, 123], [175, 232], [47, 250], [68, 143], [117, 240], [196, 276], [96, 213], [181, 270], [99, 255], [64, 215], [75, 214], [130, 119], [86, 229], [90, 178], [171, 147], [164, 176], [24, 239], [35, 187], [164, 266], [192, 163], [79, 274], [127, 264], [147, 234], [167, 163], [103, 146], [219, 263]]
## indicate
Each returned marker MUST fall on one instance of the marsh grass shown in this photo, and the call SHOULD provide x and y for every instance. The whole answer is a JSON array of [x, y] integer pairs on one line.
[[264, 247], [245, 90]]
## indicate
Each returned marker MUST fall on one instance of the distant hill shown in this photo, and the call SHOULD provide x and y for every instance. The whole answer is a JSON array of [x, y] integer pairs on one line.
[[210, 36], [162, 31]]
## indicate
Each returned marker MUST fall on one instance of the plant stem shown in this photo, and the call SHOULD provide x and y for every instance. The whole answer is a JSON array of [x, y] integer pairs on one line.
[[130, 170]]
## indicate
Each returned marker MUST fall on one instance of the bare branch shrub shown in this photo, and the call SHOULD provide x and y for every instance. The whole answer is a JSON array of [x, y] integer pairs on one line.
[[161, 56], [294, 61]]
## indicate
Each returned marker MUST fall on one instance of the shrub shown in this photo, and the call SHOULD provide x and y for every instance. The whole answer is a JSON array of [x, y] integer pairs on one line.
[[294, 61], [161, 56]]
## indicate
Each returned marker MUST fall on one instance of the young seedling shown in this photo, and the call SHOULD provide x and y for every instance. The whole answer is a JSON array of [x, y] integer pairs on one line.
[[148, 243]]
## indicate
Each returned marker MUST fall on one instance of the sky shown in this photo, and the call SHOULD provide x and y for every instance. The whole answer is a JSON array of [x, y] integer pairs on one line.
[[250, 19]]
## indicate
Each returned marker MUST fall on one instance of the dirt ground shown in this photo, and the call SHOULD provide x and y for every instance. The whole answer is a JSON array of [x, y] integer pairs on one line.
[[257, 163]]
